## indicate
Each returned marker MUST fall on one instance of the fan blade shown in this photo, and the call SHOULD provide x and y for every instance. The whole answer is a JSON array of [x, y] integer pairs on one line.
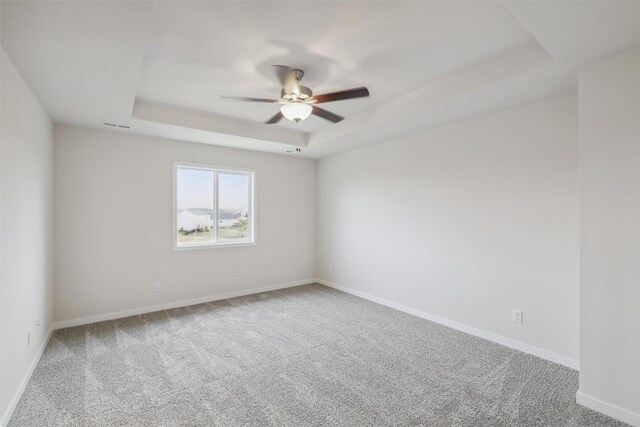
[[343, 94], [242, 98], [275, 119], [332, 117], [283, 72]]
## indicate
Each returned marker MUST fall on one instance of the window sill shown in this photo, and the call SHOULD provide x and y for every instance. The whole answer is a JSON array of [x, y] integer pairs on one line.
[[213, 246]]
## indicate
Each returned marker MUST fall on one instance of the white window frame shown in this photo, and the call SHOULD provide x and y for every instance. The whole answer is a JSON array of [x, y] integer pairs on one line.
[[251, 215]]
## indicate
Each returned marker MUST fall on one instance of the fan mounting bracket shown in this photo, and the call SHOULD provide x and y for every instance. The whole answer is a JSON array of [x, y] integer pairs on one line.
[[297, 74]]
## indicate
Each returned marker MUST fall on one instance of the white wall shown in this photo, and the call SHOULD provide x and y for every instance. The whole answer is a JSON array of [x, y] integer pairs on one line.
[[123, 183], [610, 233], [465, 222], [26, 206]]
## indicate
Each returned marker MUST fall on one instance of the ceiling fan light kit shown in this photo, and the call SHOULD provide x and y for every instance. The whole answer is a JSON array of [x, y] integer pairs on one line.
[[298, 102], [296, 111]]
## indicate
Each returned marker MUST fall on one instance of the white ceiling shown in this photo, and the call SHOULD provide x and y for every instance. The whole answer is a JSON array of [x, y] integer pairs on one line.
[[197, 53], [82, 59], [162, 66]]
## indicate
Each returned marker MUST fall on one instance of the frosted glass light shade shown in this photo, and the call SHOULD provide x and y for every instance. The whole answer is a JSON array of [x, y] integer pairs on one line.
[[296, 111]]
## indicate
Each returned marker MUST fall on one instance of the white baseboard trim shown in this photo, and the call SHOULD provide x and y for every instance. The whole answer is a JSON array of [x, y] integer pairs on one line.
[[517, 345], [608, 409], [167, 306], [25, 380]]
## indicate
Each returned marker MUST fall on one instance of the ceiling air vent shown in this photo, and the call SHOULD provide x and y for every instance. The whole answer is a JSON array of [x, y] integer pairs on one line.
[[114, 125]]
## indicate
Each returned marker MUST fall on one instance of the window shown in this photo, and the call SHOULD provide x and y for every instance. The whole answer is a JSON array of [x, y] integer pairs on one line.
[[213, 206]]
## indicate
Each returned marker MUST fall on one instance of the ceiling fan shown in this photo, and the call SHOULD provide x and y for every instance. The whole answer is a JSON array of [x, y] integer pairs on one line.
[[298, 102]]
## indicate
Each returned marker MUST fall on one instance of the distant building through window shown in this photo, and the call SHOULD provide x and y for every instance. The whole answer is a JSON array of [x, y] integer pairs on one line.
[[213, 206]]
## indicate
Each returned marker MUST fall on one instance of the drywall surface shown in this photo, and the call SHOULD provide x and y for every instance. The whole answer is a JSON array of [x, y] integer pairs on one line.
[[26, 207], [113, 224], [465, 222], [610, 230]]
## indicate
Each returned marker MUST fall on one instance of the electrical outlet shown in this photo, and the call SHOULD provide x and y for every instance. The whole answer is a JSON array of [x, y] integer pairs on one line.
[[37, 324], [517, 315], [156, 286]]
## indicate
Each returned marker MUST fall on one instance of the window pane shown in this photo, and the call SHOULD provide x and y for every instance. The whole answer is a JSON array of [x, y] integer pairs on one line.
[[195, 206], [233, 207]]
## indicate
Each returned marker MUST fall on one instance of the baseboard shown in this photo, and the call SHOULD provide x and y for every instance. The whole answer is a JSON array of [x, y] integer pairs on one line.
[[608, 409], [508, 342], [167, 306], [25, 380]]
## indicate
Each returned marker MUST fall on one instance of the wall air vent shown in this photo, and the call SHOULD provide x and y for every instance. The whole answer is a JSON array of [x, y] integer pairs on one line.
[[114, 125]]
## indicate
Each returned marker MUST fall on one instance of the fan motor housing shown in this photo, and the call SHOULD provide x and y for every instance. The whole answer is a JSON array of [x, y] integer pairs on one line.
[[305, 93]]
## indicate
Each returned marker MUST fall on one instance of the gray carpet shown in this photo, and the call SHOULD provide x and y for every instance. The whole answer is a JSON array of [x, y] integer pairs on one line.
[[305, 356]]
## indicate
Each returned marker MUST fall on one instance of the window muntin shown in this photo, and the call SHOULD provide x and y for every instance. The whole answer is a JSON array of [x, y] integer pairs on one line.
[[213, 206]]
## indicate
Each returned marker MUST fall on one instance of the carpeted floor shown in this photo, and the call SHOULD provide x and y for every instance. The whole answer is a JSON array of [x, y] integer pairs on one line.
[[305, 356]]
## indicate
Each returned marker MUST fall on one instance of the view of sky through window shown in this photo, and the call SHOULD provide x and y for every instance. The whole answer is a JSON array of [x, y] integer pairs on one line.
[[195, 189]]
